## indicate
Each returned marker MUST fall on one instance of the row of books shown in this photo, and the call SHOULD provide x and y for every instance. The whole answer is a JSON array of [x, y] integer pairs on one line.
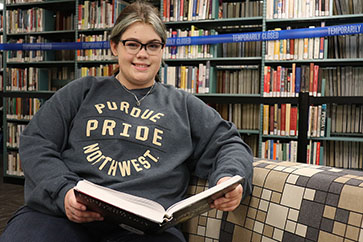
[[61, 55], [315, 153], [64, 20], [288, 9], [347, 7], [99, 14], [280, 119], [34, 79], [186, 10], [241, 81], [19, 79], [13, 134], [188, 51], [240, 49], [342, 154], [279, 150], [14, 164], [26, 20], [317, 121], [59, 76], [288, 82], [22, 108], [317, 81], [94, 54], [345, 119], [193, 79], [297, 49], [342, 81], [240, 9], [26, 55], [345, 46], [279, 82], [102, 70], [21, 1], [244, 116], [94, 14], [37, 55], [253, 143]]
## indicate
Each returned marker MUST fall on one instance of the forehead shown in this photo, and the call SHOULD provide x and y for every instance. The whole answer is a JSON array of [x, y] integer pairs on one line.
[[141, 31]]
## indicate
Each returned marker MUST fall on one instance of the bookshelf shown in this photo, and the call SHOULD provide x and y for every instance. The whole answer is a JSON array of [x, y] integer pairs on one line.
[[32, 76], [326, 60], [222, 65], [225, 63], [337, 68]]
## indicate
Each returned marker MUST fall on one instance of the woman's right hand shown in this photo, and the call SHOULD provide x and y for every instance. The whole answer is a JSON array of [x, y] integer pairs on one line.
[[77, 212]]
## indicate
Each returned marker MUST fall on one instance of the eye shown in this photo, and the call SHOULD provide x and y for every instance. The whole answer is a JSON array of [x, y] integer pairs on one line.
[[132, 45], [154, 46]]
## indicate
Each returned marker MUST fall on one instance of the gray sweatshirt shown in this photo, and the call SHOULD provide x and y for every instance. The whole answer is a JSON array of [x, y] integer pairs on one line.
[[93, 129]]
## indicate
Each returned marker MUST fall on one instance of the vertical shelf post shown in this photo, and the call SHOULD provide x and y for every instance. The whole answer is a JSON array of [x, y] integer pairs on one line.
[[303, 141]]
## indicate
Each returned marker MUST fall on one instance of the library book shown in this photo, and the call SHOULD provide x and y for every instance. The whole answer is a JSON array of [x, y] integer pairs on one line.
[[141, 215]]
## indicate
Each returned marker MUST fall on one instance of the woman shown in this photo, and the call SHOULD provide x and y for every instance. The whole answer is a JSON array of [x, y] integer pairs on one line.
[[127, 132]]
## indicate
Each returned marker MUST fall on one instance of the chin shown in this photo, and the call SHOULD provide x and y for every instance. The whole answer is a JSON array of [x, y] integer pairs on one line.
[[142, 82], [143, 79]]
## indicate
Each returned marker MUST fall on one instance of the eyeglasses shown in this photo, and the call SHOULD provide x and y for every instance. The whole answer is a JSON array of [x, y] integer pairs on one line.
[[133, 47]]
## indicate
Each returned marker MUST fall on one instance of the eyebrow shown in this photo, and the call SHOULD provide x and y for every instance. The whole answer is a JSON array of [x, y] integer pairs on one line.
[[150, 41]]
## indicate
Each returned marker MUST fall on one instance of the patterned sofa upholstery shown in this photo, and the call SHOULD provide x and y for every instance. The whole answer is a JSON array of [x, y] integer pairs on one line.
[[290, 202]]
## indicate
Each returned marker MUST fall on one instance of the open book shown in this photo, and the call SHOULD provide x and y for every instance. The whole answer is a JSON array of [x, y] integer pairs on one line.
[[141, 215]]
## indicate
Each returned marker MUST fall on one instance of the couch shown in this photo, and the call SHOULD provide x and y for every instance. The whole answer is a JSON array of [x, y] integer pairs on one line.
[[290, 202]]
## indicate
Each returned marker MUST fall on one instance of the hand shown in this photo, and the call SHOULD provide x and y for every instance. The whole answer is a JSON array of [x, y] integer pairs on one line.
[[231, 200], [77, 212]]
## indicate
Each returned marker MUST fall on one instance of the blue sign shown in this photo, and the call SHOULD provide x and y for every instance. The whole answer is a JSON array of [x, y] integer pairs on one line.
[[348, 29]]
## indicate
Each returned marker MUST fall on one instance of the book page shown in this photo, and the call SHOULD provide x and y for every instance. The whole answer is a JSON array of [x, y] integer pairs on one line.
[[134, 204], [208, 195]]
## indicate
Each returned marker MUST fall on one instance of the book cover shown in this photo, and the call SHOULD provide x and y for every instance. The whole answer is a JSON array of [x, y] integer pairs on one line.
[[283, 119], [293, 121], [287, 118], [271, 120], [318, 149], [141, 215], [266, 119], [297, 80]]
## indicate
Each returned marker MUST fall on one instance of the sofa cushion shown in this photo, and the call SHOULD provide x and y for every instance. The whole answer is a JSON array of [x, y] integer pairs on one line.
[[290, 202]]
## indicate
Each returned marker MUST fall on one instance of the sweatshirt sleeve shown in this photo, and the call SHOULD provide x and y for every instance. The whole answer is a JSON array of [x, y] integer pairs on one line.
[[219, 150], [47, 178]]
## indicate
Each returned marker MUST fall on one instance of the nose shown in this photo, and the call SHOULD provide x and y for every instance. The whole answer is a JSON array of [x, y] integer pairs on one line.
[[141, 50]]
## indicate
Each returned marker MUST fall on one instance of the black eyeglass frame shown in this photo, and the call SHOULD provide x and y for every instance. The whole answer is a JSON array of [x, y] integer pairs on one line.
[[143, 45]]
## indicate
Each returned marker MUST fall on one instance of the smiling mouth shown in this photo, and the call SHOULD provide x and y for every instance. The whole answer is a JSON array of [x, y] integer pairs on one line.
[[141, 65]]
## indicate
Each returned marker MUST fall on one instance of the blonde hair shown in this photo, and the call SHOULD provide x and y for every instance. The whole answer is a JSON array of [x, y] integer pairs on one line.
[[138, 11]]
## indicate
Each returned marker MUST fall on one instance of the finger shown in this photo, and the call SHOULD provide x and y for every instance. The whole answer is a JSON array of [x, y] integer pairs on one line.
[[231, 201], [88, 217], [77, 206], [235, 194], [78, 213], [79, 216], [223, 201], [228, 206], [220, 201]]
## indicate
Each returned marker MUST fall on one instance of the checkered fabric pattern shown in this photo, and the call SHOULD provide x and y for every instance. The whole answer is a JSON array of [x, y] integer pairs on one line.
[[290, 202]]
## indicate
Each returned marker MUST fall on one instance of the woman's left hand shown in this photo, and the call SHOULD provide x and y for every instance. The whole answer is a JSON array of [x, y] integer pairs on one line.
[[231, 200]]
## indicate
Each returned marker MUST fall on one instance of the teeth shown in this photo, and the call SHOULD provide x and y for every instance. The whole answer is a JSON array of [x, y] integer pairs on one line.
[[140, 65]]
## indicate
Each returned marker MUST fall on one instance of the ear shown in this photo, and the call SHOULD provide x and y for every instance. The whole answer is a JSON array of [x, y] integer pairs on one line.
[[114, 47]]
